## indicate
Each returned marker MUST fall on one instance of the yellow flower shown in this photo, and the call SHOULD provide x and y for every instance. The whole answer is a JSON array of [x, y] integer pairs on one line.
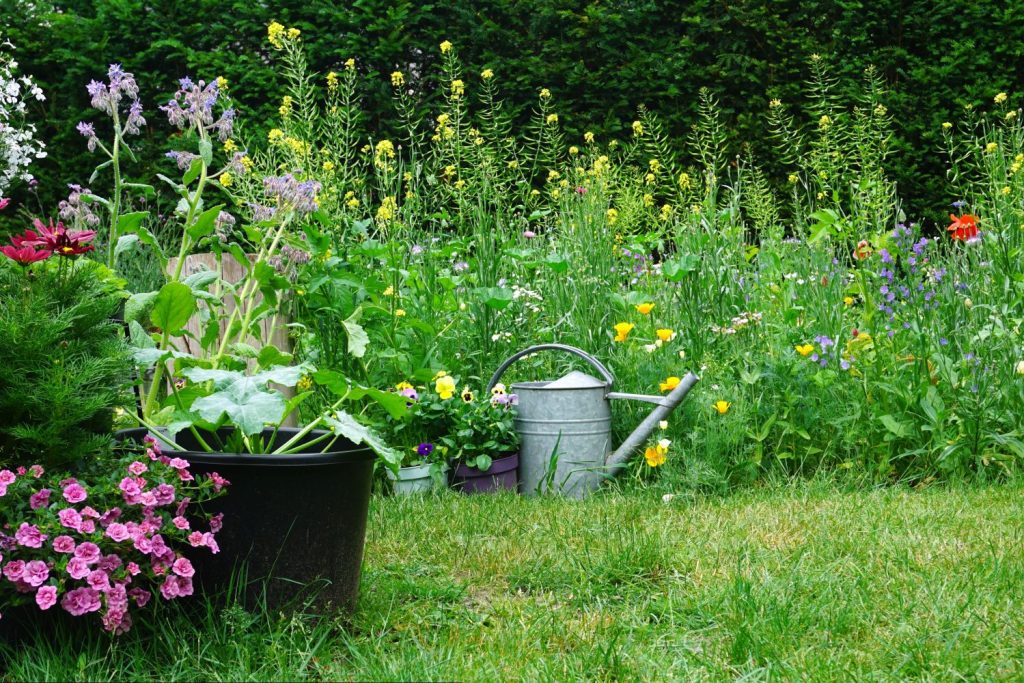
[[352, 202], [669, 384], [588, 138], [458, 88], [397, 79], [230, 146], [246, 162], [946, 125], [459, 184], [1019, 368], [350, 63], [684, 181], [666, 212], [332, 80], [293, 33], [644, 309], [328, 166], [848, 300], [574, 150], [445, 387], [446, 47], [498, 389], [387, 210], [225, 179], [390, 291], [285, 109], [774, 102], [793, 178], [552, 119], [467, 395], [403, 385], [1005, 190], [275, 135], [487, 74], [804, 349], [545, 94], [654, 457], [665, 334], [613, 215], [222, 83], [648, 199], [649, 178], [991, 147], [274, 33], [824, 122], [622, 331], [438, 374], [1000, 98], [722, 407], [304, 384], [382, 153], [399, 312], [638, 128]]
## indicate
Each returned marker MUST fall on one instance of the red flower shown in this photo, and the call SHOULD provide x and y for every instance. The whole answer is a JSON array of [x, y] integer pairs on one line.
[[963, 227], [25, 254], [863, 250], [57, 239]]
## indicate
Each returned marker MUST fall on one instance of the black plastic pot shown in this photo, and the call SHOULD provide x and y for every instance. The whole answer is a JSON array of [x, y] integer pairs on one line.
[[296, 521]]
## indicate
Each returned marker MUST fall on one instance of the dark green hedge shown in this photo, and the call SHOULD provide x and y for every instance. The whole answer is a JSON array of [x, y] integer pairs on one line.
[[600, 59]]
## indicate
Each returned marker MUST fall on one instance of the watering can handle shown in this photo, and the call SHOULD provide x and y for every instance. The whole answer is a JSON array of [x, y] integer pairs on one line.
[[605, 372]]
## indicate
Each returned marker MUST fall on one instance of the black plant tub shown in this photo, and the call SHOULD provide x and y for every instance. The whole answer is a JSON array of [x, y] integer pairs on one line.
[[296, 522]]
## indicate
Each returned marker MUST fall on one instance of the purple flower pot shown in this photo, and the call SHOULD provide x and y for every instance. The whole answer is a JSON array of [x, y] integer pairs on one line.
[[503, 474]]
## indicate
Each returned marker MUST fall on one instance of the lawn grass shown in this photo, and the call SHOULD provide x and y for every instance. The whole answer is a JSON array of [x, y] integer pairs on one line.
[[800, 581]]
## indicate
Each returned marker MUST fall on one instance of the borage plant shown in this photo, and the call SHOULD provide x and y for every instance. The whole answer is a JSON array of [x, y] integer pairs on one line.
[[104, 545]]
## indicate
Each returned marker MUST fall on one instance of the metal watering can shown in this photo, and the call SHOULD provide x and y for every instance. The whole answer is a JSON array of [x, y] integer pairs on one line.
[[565, 426]]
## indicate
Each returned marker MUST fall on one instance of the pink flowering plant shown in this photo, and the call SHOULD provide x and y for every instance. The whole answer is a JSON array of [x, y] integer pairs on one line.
[[106, 546]]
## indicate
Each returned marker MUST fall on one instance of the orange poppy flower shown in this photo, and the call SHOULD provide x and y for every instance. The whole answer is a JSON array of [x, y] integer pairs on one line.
[[963, 227]]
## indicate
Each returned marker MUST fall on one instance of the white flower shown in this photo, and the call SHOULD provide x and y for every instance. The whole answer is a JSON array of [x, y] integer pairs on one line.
[[667, 498], [663, 425], [664, 443]]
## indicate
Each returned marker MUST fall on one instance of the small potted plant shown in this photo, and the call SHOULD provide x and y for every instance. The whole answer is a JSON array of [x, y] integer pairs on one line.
[[424, 465], [482, 442]]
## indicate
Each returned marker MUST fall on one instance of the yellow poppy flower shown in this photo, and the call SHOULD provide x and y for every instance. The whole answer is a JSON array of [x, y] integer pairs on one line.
[[622, 331], [804, 349], [669, 384], [654, 457], [665, 334], [722, 407], [644, 309]]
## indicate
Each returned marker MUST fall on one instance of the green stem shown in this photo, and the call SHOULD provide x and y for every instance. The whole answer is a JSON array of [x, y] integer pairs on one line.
[[115, 209], [311, 426]]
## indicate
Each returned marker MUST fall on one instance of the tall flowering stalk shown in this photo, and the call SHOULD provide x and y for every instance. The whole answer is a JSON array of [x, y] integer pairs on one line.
[[18, 146]]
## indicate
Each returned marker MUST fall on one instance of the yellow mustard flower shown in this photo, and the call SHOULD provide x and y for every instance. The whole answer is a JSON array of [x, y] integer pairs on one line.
[[999, 98], [946, 125], [332, 80], [793, 178], [446, 47], [458, 88], [722, 407], [350, 63], [293, 33], [622, 331], [274, 32], [848, 300], [285, 109], [246, 162], [552, 119], [991, 147], [574, 150], [230, 146], [275, 135], [399, 312], [804, 349], [824, 122], [638, 128], [225, 179], [328, 166], [684, 181], [588, 138], [487, 74], [383, 153], [613, 215], [387, 210], [545, 94], [304, 384], [390, 291], [665, 334], [445, 387], [645, 308], [222, 83], [397, 79]]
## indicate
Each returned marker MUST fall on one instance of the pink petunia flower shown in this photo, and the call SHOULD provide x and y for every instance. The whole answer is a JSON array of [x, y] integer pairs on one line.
[[182, 567], [99, 580], [180, 522], [89, 552], [74, 493], [137, 468], [7, 477], [36, 573], [78, 568], [70, 518], [29, 536], [46, 597], [64, 544], [14, 570], [81, 601], [117, 531], [39, 499]]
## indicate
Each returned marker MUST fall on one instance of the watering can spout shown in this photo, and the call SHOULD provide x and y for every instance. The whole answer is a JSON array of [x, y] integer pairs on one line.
[[663, 406]]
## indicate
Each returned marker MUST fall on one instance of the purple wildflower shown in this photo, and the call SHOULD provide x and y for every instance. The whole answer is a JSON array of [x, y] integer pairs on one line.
[[293, 193], [425, 449]]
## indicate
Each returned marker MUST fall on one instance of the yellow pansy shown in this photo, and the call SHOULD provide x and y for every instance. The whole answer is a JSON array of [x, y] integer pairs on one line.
[[445, 387], [467, 395]]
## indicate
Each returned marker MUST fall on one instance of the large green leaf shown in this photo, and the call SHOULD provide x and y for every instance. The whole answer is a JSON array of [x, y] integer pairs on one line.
[[345, 425], [138, 305], [357, 337], [248, 408], [173, 307], [204, 225]]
